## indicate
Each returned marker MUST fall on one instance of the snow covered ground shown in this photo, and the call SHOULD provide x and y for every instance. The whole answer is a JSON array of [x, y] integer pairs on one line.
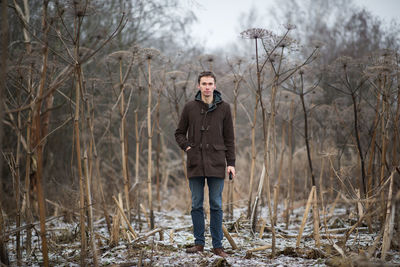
[[168, 249]]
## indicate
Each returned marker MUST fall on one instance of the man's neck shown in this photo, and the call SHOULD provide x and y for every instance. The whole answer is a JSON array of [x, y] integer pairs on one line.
[[207, 100]]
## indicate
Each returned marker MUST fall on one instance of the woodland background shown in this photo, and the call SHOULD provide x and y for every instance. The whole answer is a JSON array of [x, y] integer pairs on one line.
[[91, 92]]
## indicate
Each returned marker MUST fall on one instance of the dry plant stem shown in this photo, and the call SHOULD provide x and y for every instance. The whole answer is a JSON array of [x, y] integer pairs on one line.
[[291, 176], [149, 137], [121, 210], [321, 174], [98, 180], [306, 130], [260, 248], [253, 219], [371, 250], [123, 141], [17, 184], [331, 171], [278, 183], [90, 209], [114, 237], [27, 40], [384, 135], [234, 117], [27, 196], [316, 219], [152, 232], [266, 134], [137, 157], [230, 239], [348, 233], [37, 136], [158, 150], [389, 223], [272, 130], [306, 211], [175, 101], [253, 154], [356, 130], [359, 204], [361, 156], [82, 209], [262, 227], [145, 214]]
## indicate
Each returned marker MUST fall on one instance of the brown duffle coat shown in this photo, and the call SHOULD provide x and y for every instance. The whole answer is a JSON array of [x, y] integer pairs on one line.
[[208, 130]]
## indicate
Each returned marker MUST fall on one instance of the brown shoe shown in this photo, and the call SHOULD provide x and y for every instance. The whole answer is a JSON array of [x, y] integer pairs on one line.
[[195, 249], [220, 252]]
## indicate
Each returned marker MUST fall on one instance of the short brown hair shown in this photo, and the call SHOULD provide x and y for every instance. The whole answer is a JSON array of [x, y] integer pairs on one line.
[[206, 74]]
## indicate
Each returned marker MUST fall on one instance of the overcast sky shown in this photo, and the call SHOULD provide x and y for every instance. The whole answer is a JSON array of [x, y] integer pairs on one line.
[[218, 19]]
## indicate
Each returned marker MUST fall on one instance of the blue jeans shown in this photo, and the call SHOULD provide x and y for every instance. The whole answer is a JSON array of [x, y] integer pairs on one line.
[[215, 186]]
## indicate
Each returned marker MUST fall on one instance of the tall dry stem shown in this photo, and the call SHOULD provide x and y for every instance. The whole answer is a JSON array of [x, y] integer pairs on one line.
[[137, 156], [234, 118], [306, 137], [82, 207], [253, 153], [389, 223], [149, 142], [385, 113], [290, 192], [78, 90], [123, 140], [278, 183], [158, 149], [89, 202], [37, 134]]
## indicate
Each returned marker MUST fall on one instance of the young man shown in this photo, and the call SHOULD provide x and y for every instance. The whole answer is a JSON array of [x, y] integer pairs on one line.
[[205, 132]]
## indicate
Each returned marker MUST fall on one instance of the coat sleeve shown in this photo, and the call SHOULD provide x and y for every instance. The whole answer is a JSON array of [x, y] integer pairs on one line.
[[180, 132], [229, 137]]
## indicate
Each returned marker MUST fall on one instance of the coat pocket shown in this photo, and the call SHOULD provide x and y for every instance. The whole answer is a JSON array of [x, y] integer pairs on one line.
[[193, 156], [218, 155]]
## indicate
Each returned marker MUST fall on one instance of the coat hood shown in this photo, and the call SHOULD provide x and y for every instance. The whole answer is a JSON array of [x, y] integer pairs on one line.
[[217, 98]]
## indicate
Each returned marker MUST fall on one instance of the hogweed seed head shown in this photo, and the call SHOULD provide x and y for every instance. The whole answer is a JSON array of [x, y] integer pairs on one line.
[[150, 53], [80, 8], [121, 55], [317, 44], [289, 26], [255, 33]]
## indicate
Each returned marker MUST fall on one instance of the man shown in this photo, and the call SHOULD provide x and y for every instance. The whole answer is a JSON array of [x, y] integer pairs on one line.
[[205, 132]]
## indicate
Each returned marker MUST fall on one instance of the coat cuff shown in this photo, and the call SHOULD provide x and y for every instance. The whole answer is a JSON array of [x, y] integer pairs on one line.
[[185, 146], [230, 162]]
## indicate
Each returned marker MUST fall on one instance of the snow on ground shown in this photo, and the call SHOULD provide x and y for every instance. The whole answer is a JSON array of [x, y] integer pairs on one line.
[[169, 248]]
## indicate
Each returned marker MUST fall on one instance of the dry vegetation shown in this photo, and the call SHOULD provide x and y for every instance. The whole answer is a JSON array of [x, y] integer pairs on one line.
[[91, 174]]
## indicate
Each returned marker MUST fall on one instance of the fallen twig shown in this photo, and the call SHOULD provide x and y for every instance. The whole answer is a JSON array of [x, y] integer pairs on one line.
[[152, 232]]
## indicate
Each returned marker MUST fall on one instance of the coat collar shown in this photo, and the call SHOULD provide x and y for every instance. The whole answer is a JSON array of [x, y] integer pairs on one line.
[[217, 98]]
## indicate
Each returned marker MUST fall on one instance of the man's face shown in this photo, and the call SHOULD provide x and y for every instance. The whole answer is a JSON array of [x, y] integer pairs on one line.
[[206, 86]]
